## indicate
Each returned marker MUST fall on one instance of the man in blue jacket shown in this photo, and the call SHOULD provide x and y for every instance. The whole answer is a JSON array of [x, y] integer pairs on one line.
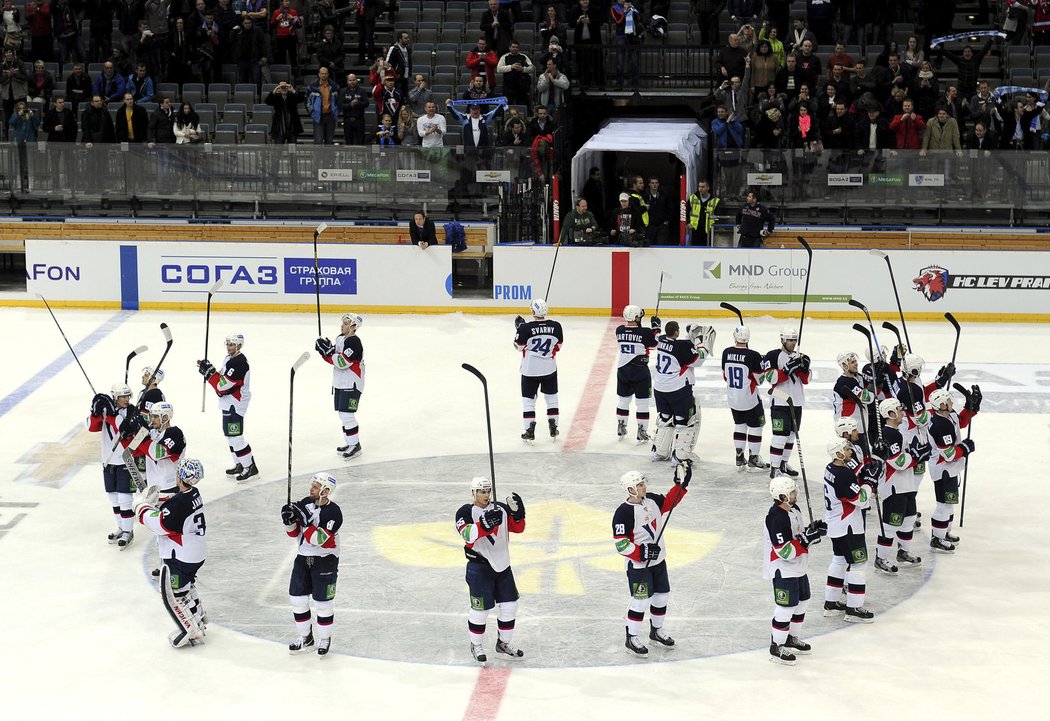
[[322, 104]]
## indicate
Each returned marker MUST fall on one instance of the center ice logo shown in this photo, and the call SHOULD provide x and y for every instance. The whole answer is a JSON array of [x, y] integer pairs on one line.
[[932, 282]]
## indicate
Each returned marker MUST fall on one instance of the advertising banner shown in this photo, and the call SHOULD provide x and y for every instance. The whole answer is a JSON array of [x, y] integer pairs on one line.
[[70, 270]]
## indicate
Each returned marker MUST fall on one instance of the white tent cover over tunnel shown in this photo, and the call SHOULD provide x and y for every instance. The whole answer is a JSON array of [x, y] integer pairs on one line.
[[680, 137]]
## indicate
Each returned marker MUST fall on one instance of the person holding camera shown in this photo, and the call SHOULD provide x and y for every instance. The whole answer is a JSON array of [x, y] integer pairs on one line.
[[580, 226], [286, 126]]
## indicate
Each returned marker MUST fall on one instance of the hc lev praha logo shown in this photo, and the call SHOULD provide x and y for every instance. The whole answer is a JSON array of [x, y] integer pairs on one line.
[[932, 282]]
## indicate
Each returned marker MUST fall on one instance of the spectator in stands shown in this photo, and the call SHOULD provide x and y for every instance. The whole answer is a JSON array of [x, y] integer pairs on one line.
[[515, 135], [129, 12], [580, 227], [912, 55], [763, 67], [840, 57], [330, 53], [625, 224], [406, 127], [542, 123], [517, 70], [587, 39], [181, 52], [825, 104], [422, 230], [662, 210], [727, 129], [331, 15], [743, 11], [804, 139], [41, 38], [820, 15], [97, 123], [731, 59], [188, 126], [628, 27], [419, 95], [22, 129], [67, 31], [285, 23], [386, 134], [861, 82], [211, 47], [809, 64], [748, 40], [772, 35], [40, 87], [132, 122], [925, 90], [140, 85], [227, 18], [982, 139], [840, 80], [153, 43], [1036, 117], [366, 13], [551, 88], [769, 129], [13, 82], [982, 107], [550, 25], [399, 57], [955, 105], [380, 71], [388, 98], [256, 10], [871, 136], [285, 127], [554, 52], [431, 127], [790, 78], [100, 14], [161, 127], [798, 34], [734, 94], [353, 99], [700, 214], [754, 222], [60, 122], [322, 104], [968, 66], [1017, 134], [839, 131], [78, 88], [942, 133], [476, 132], [908, 127], [883, 60], [248, 47], [481, 61], [707, 12], [498, 25], [895, 75]]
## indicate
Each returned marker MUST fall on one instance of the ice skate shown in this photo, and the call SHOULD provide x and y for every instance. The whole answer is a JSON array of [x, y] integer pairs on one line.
[[505, 648], [248, 472], [954, 540], [941, 546], [530, 433], [323, 645], [884, 567], [353, 452], [797, 646], [786, 470], [741, 462], [553, 426], [342, 449], [906, 560], [780, 654], [621, 429], [115, 536], [301, 644], [833, 608], [635, 646], [643, 435], [859, 615], [478, 652], [125, 539], [235, 471], [658, 635], [756, 464]]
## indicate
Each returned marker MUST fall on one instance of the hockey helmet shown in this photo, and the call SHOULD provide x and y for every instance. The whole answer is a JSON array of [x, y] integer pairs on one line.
[[782, 486], [788, 333], [539, 308], [119, 390], [236, 339], [883, 353], [155, 373], [480, 484], [742, 334], [912, 364], [164, 410], [353, 319], [940, 399], [837, 448], [890, 405], [326, 482], [846, 358], [190, 471], [629, 482], [633, 313], [845, 427]]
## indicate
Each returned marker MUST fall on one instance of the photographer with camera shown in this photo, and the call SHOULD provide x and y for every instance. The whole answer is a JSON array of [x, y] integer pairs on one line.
[[286, 126]]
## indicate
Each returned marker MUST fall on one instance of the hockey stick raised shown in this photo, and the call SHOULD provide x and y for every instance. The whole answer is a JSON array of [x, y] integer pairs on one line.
[[864, 416], [786, 397], [317, 275], [156, 369], [897, 334], [805, 292], [291, 405], [660, 290], [958, 332], [733, 309], [554, 263], [73, 352], [127, 362], [864, 309], [488, 420], [966, 461], [656, 541], [207, 327], [896, 295]]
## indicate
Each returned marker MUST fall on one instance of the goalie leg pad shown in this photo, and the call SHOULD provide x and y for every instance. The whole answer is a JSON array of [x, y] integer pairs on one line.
[[685, 439], [664, 436], [187, 631]]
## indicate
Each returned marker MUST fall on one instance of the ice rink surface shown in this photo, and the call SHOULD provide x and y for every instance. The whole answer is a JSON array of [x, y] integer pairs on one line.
[[86, 635]]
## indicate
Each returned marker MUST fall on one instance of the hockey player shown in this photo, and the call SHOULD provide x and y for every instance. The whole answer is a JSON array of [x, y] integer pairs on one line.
[[485, 526], [742, 372], [787, 545], [787, 369], [913, 396], [347, 358], [845, 497], [150, 393], [539, 341], [314, 522], [232, 383], [897, 491], [110, 416], [679, 417], [851, 399], [180, 527], [632, 371], [946, 463], [636, 526], [882, 377]]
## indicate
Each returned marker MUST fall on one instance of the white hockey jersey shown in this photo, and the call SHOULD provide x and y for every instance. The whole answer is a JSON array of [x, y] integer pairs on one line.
[[179, 526], [492, 547]]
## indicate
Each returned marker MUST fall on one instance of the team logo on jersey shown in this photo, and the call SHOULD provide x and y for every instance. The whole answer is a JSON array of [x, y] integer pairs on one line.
[[641, 590], [782, 597], [932, 282], [859, 555], [477, 603]]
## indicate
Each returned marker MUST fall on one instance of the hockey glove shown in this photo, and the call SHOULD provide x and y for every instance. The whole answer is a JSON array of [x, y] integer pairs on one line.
[[920, 451], [878, 448], [944, 375], [650, 551], [794, 364], [880, 370], [518, 321], [966, 446], [205, 368], [130, 425], [491, 519], [102, 406], [804, 362], [324, 347], [288, 515], [683, 473], [654, 322], [516, 506], [973, 400], [302, 513], [897, 356], [811, 534], [872, 471]]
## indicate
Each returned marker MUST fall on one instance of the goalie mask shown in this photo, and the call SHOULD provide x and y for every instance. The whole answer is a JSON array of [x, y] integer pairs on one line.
[[890, 405], [629, 482], [326, 483], [633, 313], [190, 471], [782, 486], [150, 372]]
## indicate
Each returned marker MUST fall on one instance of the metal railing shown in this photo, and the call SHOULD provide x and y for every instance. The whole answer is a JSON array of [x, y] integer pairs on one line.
[[658, 66]]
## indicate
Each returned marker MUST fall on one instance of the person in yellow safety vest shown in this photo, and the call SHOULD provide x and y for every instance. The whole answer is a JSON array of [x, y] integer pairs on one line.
[[637, 199], [701, 214]]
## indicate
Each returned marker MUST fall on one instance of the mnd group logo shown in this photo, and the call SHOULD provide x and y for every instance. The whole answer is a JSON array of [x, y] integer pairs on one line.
[[712, 270]]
